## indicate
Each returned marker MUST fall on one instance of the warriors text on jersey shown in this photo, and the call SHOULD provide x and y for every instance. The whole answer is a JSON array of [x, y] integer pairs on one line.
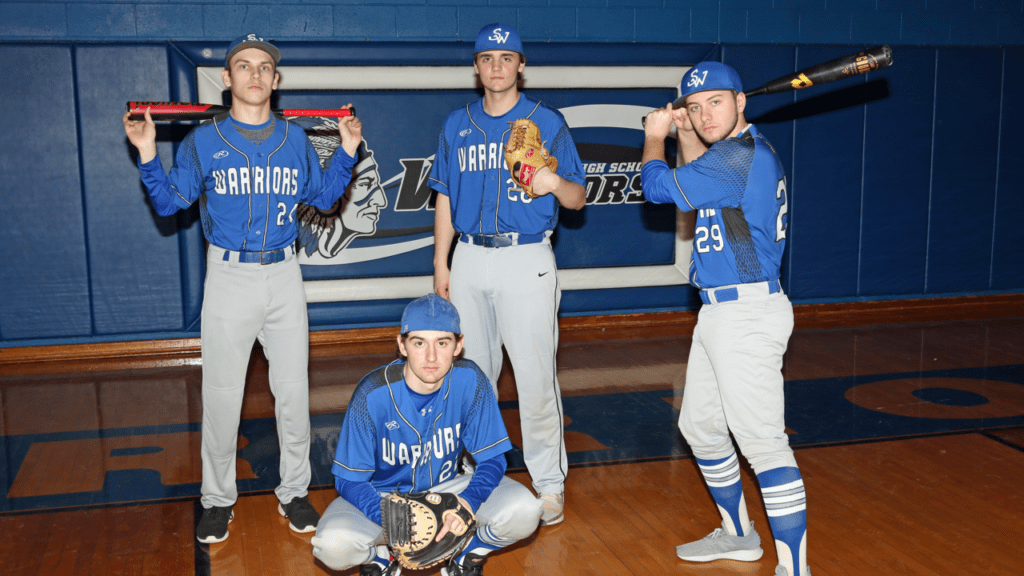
[[386, 440], [738, 189], [249, 191], [470, 161]]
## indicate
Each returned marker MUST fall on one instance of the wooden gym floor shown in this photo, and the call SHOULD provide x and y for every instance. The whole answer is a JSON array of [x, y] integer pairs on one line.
[[910, 439]]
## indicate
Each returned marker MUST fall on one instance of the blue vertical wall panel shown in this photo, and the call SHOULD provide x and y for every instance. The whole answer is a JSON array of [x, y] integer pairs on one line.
[[964, 176], [825, 187], [44, 274], [133, 253], [897, 173], [757, 65], [1008, 256]]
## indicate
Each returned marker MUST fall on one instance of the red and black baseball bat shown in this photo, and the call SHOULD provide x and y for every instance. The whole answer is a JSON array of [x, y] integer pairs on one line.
[[189, 111], [844, 67]]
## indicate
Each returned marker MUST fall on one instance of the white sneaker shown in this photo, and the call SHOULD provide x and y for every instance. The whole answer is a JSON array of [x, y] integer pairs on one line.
[[552, 508], [720, 544]]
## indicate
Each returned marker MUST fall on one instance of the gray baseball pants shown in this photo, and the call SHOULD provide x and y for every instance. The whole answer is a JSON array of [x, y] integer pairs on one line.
[[244, 302]]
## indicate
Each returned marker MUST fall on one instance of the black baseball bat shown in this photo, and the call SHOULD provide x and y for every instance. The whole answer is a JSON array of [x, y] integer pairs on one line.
[[189, 111], [844, 67]]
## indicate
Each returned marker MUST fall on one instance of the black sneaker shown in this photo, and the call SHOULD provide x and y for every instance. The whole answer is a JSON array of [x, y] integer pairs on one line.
[[375, 569], [301, 514], [213, 527], [472, 565]]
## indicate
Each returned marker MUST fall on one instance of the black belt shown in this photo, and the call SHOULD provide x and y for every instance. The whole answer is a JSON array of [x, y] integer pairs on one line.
[[501, 240]]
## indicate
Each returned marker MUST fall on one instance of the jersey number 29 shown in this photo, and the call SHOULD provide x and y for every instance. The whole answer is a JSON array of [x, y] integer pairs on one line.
[[780, 225]]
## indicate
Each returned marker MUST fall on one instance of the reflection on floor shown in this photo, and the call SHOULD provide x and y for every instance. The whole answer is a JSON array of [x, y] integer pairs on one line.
[[910, 439]]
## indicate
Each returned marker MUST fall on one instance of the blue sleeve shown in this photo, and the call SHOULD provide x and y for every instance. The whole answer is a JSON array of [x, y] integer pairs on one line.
[[361, 495], [324, 189], [570, 167], [438, 179], [715, 180], [179, 189], [485, 479], [355, 458]]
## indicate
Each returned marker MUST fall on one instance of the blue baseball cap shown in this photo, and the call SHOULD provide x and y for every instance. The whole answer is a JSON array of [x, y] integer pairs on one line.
[[430, 312], [252, 41], [498, 37], [708, 76]]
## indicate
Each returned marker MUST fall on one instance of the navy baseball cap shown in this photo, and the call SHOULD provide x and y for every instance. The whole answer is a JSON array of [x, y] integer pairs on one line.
[[430, 312], [498, 37], [708, 76], [252, 41]]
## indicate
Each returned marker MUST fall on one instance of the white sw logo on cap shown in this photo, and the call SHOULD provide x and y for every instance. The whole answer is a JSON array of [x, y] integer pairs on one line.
[[497, 37], [253, 38], [696, 80]]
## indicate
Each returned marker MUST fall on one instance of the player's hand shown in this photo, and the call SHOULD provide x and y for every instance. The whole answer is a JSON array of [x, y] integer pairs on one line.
[[659, 122], [452, 521], [545, 182], [142, 135], [442, 278], [681, 118], [351, 131]]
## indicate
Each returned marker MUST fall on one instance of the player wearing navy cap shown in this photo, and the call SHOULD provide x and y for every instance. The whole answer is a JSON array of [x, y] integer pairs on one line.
[[503, 278], [734, 180], [249, 170], [406, 428]]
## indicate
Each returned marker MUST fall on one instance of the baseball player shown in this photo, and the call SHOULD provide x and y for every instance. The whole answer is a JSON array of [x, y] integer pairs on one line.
[[503, 278], [406, 427], [249, 169], [734, 181]]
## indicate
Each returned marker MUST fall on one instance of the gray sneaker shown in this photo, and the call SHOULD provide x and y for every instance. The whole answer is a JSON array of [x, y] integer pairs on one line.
[[720, 544], [780, 570]]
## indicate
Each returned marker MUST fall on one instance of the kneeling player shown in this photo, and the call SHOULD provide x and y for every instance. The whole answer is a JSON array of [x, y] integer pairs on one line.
[[405, 429]]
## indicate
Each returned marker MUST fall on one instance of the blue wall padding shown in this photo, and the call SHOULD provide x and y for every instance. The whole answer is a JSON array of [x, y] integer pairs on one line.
[[44, 265], [825, 199], [897, 175], [903, 183], [1008, 256], [133, 253], [964, 175]]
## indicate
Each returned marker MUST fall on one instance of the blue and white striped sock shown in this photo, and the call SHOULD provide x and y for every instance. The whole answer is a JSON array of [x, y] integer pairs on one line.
[[723, 479], [478, 546], [786, 502]]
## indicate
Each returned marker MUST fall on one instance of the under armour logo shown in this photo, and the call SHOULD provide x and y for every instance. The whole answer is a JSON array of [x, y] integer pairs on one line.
[[497, 37], [696, 79]]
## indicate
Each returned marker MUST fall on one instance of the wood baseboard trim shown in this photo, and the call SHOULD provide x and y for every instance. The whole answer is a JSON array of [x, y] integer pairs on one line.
[[96, 357]]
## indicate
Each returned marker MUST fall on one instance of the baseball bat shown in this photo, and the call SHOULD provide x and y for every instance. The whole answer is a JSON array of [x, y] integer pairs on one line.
[[189, 111], [843, 67]]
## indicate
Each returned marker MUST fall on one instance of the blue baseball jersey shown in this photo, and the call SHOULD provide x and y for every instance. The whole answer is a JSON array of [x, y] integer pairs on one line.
[[470, 169], [248, 192], [738, 188], [387, 441]]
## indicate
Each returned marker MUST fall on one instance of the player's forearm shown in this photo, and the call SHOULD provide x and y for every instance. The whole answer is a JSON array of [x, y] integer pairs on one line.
[[444, 232], [485, 479], [570, 194], [654, 149], [690, 146], [362, 495], [327, 187]]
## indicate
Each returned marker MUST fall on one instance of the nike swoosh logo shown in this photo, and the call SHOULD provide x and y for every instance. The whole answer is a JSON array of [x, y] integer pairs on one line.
[[539, 274]]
